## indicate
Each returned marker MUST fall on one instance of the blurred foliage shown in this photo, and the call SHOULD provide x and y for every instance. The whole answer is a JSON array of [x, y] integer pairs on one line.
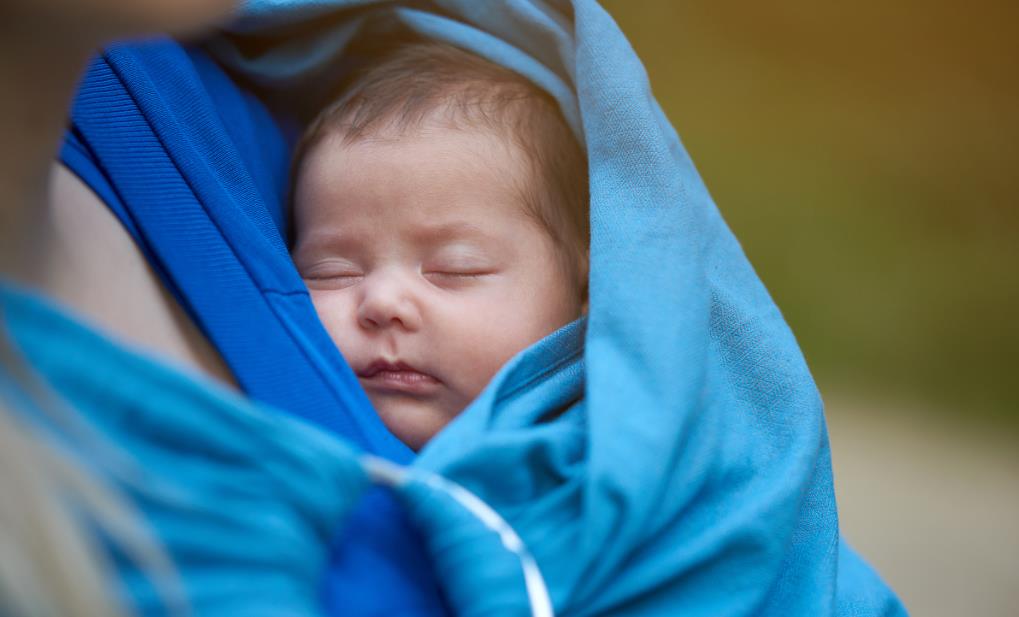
[[866, 156]]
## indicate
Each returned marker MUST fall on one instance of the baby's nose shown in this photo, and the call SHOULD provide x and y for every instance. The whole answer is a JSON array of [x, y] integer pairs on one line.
[[388, 302]]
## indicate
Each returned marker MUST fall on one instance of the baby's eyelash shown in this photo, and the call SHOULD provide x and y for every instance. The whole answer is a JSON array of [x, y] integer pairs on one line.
[[326, 279], [330, 275], [457, 274]]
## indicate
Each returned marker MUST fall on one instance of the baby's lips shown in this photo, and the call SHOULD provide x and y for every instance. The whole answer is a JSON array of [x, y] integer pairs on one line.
[[397, 378], [394, 367]]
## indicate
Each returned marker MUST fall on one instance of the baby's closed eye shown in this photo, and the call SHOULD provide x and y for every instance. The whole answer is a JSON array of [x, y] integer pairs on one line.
[[455, 276], [331, 274], [458, 262], [455, 272]]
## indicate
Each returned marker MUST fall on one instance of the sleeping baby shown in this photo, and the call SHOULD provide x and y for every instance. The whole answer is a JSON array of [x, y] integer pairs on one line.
[[440, 216]]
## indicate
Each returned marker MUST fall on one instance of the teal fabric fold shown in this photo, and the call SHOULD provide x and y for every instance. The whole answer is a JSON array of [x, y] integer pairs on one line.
[[667, 455], [245, 500]]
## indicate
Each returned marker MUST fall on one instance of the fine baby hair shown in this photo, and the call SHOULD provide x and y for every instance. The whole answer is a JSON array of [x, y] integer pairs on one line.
[[418, 84]]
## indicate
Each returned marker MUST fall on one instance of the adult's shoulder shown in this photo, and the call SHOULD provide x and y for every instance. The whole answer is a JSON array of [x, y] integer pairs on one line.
[[93, 266]]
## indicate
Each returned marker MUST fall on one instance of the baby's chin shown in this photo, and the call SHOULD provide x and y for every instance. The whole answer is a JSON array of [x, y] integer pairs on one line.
[[412, 420]]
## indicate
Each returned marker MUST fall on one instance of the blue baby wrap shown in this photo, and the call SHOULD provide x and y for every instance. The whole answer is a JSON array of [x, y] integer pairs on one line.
[[667, 455], [245, 500]]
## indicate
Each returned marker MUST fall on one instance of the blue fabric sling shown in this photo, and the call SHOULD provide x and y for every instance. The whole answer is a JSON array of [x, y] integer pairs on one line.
[[666, 455], [244, 500], [685, 469]]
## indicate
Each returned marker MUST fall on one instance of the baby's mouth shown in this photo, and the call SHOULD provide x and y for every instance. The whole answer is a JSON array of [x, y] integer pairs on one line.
[[396, 378]]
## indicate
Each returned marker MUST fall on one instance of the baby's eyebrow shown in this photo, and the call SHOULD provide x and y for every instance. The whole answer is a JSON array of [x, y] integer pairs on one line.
[[450, 231], [328, 239]]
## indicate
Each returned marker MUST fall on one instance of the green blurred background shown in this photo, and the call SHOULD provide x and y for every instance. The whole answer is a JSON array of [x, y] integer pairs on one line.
[[865, 154]]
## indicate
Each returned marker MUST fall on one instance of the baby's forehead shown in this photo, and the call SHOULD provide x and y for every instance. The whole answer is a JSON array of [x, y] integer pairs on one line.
[[455, 229], [432, 159], [425, 177]]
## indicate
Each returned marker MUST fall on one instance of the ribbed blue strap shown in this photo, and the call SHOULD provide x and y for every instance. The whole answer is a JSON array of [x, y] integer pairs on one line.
[[196, 170]]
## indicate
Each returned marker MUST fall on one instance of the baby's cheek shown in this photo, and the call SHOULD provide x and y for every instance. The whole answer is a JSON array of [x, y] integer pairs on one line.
[[335, 313], [496, 343]]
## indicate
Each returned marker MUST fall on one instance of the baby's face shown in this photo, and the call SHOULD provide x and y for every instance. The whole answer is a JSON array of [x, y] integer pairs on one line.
[[425, 268]]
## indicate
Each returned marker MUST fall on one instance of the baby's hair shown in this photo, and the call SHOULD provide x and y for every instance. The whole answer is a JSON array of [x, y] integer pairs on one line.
[[429, 81]]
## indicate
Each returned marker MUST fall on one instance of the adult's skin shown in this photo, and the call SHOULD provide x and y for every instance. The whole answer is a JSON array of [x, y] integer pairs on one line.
[[56, 235], [58, 238]]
